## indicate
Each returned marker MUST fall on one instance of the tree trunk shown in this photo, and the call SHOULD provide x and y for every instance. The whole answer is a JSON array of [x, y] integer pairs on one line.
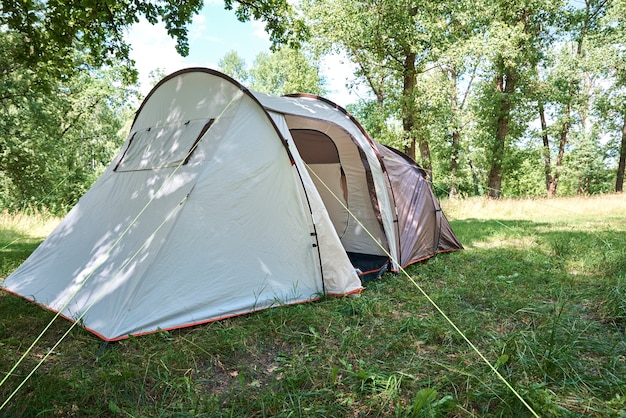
[[474, 178], [454, 163], [456, 136], [410, 148], [505, 85], [619, 183], [562, 143], [425, 157], [408, 114], [409, 75], [547, 161]]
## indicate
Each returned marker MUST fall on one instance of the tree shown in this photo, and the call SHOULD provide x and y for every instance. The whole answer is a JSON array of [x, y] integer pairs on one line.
[[64, 74], [233, 65], [55, 135], [569, 85], [51, 29], [458, 57], [619, 180], [517, 35], [286, 71], [390, 42], [283, 71], [284, 26], [608, 42]]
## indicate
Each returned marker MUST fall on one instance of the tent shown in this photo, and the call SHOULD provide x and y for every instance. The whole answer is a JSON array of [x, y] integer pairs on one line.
[[223, 201]]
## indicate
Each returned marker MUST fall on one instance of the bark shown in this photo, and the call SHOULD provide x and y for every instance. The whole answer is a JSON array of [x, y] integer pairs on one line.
[[619, 182], [409, 74], [376, 85], [454, 163], [505, 84], [562, 143], [474, 178], [456, 135], [547, 163], [552, 179], [425, 157]]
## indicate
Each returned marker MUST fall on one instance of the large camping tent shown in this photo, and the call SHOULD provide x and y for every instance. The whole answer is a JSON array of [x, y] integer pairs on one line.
[[223, 201]]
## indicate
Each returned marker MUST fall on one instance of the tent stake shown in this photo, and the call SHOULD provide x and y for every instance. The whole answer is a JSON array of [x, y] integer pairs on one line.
[[102, 349]]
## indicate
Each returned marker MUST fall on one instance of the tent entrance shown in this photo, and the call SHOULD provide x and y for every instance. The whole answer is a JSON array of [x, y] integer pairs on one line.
[[320, 154], [370, 266]]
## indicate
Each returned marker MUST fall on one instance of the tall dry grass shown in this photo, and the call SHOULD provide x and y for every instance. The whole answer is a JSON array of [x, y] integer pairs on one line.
[[30, 225], [535, 208]]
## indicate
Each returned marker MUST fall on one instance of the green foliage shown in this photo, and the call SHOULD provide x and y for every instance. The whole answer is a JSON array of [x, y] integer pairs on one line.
[[587, 170], [390, 44], [437, 73], [283, 71], [57, 136], [378, 122], [284, 26], [525, 175], [426, 404], [233, 65], [481, 73], [614, 307], [53, 29], [64, 87], [286, 71]]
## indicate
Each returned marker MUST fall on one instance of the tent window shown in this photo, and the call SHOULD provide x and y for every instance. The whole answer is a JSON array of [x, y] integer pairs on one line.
[[321, 155], [315, 147], [161, 147]]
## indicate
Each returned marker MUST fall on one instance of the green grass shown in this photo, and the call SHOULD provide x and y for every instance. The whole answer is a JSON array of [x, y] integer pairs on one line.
[[540, 290]]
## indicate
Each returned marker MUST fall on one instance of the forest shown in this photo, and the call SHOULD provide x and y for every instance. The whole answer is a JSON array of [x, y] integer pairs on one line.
[[500, 99]]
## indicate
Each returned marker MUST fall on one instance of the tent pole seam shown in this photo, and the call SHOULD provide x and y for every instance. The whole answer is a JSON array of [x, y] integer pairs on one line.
[[317, 243]]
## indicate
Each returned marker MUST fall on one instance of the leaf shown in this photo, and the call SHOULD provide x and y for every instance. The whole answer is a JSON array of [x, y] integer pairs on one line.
[[502, 360], [333, 374], [114, 408], [422, 399]]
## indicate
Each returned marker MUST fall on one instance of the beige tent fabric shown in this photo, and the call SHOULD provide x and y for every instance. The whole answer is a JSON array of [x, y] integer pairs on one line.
[[158, 246], [209, 210], [331, 120], [354, 238], [339, 275]]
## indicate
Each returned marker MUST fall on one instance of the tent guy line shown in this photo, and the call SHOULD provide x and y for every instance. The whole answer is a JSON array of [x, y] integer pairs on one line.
[[469, 342], [93, 270], [73, 323]]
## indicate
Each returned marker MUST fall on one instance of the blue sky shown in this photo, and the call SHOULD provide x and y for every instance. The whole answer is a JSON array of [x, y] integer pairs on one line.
[[212, 34]]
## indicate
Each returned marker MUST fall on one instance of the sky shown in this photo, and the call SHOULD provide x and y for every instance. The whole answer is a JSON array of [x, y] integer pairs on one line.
[[212, 34]]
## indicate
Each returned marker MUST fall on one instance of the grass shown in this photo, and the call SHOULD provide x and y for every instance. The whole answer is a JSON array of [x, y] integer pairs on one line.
[[20, 234], [540, 290]]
